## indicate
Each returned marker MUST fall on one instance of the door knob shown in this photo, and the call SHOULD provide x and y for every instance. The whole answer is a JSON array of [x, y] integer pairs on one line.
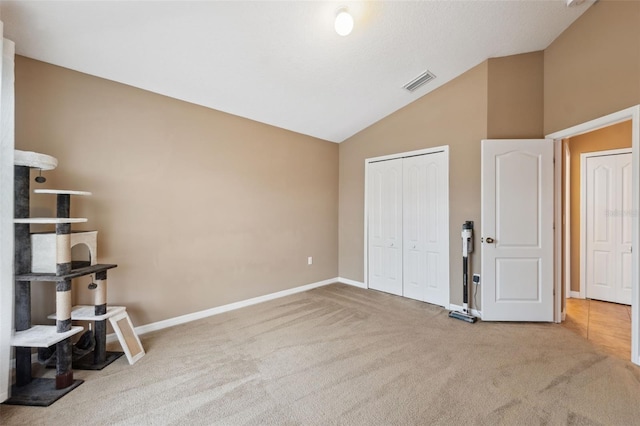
[[391, 245], [489, 240]]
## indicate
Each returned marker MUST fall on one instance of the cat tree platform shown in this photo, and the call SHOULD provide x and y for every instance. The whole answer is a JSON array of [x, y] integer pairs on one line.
[[42, 336], [94, 360]]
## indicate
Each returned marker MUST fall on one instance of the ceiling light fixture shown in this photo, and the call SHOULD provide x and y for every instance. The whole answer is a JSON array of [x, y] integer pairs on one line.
[[344, 22]]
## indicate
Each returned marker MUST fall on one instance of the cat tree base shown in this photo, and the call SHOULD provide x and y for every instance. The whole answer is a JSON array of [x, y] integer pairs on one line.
[[39, 393]]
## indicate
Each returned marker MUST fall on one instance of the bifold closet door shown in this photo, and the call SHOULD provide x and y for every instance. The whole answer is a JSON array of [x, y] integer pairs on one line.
[[425, 230], [408, 227], [385, 226]]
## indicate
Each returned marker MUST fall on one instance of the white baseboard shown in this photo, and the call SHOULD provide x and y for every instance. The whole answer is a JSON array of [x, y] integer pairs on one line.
[[474, 312], [575, 295], [159, 325], [351, 282], [147, 328]]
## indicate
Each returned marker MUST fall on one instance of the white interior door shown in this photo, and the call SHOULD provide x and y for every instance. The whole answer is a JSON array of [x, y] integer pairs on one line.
[[425, 228], [607, 191], [385, 226], [517, 230]]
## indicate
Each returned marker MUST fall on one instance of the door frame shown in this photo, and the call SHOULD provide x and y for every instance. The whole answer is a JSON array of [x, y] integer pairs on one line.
[[445, 149], [583, 209], [633, 114], [566, 225], [7, 146]]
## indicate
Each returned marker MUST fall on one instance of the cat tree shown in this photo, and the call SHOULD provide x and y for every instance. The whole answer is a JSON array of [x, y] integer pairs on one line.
[[46, 258]]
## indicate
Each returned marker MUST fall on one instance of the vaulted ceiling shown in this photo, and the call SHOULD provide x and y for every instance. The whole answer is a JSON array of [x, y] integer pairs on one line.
[[281, 62]]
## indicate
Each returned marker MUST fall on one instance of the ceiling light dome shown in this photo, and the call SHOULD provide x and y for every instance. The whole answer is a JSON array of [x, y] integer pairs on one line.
[[344, 22]]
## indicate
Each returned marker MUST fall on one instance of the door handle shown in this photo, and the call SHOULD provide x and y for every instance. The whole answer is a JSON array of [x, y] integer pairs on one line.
[[489, 240], [391, 245]]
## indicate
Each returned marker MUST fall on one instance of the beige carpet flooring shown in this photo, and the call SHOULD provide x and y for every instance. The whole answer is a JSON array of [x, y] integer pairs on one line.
[[342, 355]]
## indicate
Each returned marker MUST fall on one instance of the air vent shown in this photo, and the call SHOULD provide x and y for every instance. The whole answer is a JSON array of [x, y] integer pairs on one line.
[[423, 78]]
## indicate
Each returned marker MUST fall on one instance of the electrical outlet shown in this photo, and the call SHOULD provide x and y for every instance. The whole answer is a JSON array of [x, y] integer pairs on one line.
[[476, 279], [309, 260]]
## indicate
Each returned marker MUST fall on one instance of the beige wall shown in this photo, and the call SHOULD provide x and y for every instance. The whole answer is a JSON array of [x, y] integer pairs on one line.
[[593, 68], [612, 137], [197, 207], [433, 120], [515, 96]]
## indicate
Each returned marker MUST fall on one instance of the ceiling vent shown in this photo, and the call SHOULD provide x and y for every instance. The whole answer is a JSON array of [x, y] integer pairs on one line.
[[423, 78]]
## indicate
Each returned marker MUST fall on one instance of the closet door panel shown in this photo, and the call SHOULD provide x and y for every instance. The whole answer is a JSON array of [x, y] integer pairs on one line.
[[425, 228], [385, 226]]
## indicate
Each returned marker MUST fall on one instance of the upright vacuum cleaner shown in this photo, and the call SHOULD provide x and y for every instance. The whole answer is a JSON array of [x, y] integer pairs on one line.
[[467, 247]]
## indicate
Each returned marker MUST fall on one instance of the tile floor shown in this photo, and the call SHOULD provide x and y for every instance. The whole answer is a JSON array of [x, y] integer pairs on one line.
[[607, 325]]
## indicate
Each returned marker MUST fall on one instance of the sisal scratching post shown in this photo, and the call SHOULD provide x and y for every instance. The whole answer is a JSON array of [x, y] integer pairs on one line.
[[64, 372], [100, 306]]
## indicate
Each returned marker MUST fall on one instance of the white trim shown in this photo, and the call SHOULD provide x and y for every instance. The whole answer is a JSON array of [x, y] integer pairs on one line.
[[474, 312], [575, 295], [583, 211], [366, 224], [598, 123], [557, 228], [632, 113], [7, 153], [604, 153], [443, 148], [425, 151], [566, 225], [352, 282], [635, 242], [182, 319], [583, 228]]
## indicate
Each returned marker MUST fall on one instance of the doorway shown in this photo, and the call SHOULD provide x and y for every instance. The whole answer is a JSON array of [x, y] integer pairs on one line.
[[632, 117], [598, 174]]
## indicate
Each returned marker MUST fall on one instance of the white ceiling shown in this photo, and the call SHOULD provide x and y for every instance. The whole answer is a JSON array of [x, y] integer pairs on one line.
[[281, 62]]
